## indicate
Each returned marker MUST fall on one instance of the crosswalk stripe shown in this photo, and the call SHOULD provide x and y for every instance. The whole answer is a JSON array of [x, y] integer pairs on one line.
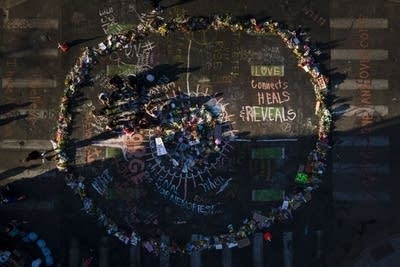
[[195, 257], [361, 196], [32, 144], [46, 171], [258, 248], [349, 54], [164, 256], [103, 253], [359, 111], [226, 257], [319, 244], [27, 24], [32, 114], [287, 249], [363, 141], [134, 256], [49, 52], [356, 84], [28, 205], [73, 257], [348, 23], [353, 168], [28, 83]]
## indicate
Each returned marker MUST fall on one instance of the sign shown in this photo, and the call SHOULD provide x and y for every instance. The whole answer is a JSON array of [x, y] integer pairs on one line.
[[160, 147], [268, 70]]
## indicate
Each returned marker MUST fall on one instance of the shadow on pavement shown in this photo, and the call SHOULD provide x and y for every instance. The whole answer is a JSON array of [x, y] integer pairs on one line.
[[17, 170]]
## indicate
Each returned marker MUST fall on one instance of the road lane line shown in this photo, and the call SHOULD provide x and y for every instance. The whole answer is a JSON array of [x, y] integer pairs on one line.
[[287, 249], [258, 248], [28, 83], [32, 114], [73, 254], [28, 205], [359, 54], [361, 196], [164, 255], [195, 257], [354, 168], [134, 256], [348, 23], [32, 144], [49, 52], [356, 84], [28, 24], [226, 257], [27, 174], [363, 141], [103, 253]]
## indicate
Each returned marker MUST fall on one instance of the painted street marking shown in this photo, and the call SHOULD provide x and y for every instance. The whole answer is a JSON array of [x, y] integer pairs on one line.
[[319, 244], [22, 24], [49, 52], [29, 83], [361, 196], [353, 168], [27, 174], [258, 248], [359, 111], [348, 23], [241, 140], [352, 84], [278, 140], [195, 257], [287, 249], [32, 144], [103, 253], [134, 256], [226, 257], [32, 114], [164, 256], [73, 253], [363, 141], [359, 54], [28, 205]]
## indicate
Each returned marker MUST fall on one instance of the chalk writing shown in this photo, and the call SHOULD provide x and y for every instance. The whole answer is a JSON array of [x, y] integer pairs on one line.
[[269, 85], [101, 182], [91, 153], [314, 16], [106, 18], [265, 113], [142, 52], [269, 55], [183, 203], [209, 185], [135, 152], [267, 70], [235, 61], [273, 97], [223, 186]]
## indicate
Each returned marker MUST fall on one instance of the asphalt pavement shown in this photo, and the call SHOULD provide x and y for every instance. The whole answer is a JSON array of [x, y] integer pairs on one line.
[[356, 206]]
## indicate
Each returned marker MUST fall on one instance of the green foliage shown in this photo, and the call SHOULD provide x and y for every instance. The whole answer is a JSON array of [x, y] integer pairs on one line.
[[301, 178]]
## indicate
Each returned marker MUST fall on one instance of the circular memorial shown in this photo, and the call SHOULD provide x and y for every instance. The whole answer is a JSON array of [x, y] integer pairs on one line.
[[199, 147]]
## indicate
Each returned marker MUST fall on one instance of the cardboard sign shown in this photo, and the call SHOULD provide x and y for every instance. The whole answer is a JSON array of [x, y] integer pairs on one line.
[[160, 147]]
